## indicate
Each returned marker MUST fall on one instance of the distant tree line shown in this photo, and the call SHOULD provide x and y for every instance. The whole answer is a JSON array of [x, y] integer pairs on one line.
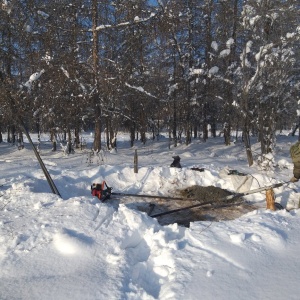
[[138, 65]]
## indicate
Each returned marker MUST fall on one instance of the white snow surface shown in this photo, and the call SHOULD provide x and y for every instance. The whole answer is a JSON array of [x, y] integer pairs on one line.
[[77, 247]]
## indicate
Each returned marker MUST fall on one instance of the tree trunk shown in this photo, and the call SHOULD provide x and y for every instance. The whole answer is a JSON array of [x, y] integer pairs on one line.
[[37, 124], [20, 140], [213, 129], [153, 129], [248, 146], [205, 123], [53, 139], [112, 137], [107, 133], [195, 132], [132, 134], [143, 137], [76, 137], [174, 123], [13, 134], [95, 57], [227, 134], [114, 142], [97, 138], [188, 136], [8, 135], [69, 144], [205, 131]]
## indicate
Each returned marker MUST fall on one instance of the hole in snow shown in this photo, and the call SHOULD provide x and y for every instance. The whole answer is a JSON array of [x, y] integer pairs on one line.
[[219, 208]]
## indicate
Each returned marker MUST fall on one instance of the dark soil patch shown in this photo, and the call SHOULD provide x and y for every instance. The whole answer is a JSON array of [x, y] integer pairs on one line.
[[204, 193], [219, 208]]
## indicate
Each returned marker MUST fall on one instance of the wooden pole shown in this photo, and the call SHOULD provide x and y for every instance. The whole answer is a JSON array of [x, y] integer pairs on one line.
[[270, 198], [42, 165], [135, 161]]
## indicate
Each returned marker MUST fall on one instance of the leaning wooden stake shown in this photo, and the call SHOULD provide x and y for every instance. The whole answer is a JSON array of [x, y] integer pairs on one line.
[[13, 104], [135, 161], [270, 198]]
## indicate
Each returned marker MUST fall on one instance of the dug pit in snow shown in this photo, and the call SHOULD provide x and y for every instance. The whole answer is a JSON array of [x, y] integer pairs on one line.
[[219, 209]]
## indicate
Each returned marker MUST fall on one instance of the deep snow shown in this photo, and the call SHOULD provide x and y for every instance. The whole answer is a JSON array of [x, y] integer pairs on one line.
[[76, 247]]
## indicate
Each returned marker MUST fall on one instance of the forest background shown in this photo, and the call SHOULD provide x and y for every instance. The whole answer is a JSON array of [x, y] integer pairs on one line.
[[186, 66]]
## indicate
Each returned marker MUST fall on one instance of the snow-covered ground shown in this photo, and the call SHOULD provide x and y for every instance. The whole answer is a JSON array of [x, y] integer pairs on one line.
[[76, 247]]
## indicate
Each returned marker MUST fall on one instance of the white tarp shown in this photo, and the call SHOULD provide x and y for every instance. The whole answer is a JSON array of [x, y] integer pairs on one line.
[[241, 183]]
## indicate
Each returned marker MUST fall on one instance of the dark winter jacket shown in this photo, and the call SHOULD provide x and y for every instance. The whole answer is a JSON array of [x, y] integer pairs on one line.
[[176, 162]]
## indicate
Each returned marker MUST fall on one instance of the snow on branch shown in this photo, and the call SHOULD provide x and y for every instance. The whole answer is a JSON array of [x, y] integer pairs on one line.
[[224, 79], [140, 89], [259, 56], [136, 20], [35, 76], [66, 73]]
